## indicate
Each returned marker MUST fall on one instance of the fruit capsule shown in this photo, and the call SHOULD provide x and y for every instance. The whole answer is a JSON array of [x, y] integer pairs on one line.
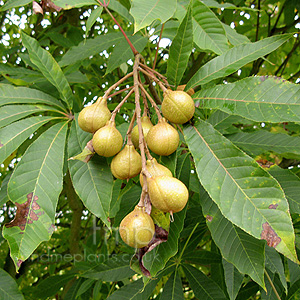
[[127, 163], [146, 125], [178, 107], [137, 228], [95, 116], [163, 139], [168, 194], [107, 141]]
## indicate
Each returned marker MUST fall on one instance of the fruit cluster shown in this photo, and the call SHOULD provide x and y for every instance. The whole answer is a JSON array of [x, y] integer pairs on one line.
[[166, 193]]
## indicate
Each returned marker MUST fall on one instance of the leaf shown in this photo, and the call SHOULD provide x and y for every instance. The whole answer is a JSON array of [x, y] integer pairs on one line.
[[12, 113], [269, 294], [215, 4], [261, 141], [122, 51], [262, 99], [293, 290], [90, 47], [96, 13], [250, 289], [145, 12], [180, 50], [8, 287], [173, 289], [121, 10], [34, 187], [202, 257], [92, 181], [13, 135], [68, 4], [236, 183], [16, 95], [233, 279], [234, 38], [290, 184], [49, 67], [84, 287], [203, 287], [113, 269], [235, 58], [14, 3], [3, 190]]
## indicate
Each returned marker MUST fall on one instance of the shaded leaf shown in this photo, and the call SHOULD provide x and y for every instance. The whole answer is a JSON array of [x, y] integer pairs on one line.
[[202, 257], [235, 58], [269, 294], [237, 184], [293, 290], [173, 289], [68, 4], [145, 12], [37, 181], [3, 191], [14, 3], [247, 291], [180, 50], [96, 13], [8, 287], [84, 287]]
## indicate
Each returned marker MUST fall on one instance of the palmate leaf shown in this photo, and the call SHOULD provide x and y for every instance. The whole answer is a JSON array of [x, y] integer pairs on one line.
[[180, 50], [262, 141], [13, 135], [262, 99], [145, 12], [93, 181], [49, 67], [245, 193], [173, 289], [9, 288], [35, 186], [235, 58], [18, 95]]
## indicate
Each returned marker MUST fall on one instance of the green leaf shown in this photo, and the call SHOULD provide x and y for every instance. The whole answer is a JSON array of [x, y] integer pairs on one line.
[[203, 287], [269, 293], [180, 50], [96, 13], [215, 4], [250, 289], [68, 4], [13, 135], [145, 12], [3, 190], [290, 184], [173, 289], [235, 58], [49, 67], [233, 279], [90, 47], [34, 187], [294, 290], [236, 183], [9, 288], [202, 257], [113, 269], [121, 10], [93, 181], [234, 38], [262, 99], [14, 3], [122, 51], [262, 141], [85, 286], [12, 113], [16, 95]]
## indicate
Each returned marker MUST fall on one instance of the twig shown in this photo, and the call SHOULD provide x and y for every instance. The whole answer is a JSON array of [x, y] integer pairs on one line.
[[257, 22], [115, 85], [129, 142], [157, 47], [155, 72], [119, 92], [153, 78], [272, 285], [113, 114]]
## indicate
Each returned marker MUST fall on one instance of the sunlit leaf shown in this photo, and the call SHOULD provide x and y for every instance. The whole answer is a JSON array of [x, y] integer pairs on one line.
[[14, 3], [96, 13], [68, 4]]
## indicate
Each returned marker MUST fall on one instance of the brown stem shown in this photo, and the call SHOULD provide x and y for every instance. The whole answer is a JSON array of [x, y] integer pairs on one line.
[[154, 79], [115, 85], [152, 89], [164, 79], [129, 142], [157, 47], [115, 111], [119, 92]]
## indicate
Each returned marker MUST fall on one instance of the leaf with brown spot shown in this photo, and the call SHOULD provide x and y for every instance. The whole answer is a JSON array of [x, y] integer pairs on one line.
[[270, 235], [273, 206]]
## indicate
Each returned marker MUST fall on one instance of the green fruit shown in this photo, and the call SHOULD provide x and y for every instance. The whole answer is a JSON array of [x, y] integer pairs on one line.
[[137, 228], [127, 163], [163, 139], [168, 194], [95, 116], [178, 107], [146, 125], [155, 169], [107, 141]]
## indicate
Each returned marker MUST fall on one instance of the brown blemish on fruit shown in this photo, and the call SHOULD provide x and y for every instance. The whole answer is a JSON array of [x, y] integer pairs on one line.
[[209, 218], [273, 206], [26, 213], [270, 235]]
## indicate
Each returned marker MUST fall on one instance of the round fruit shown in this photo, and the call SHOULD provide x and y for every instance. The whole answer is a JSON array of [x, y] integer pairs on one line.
[[177, 106], [107, 141], [146, 125], [168, 194], [95, 116], [155, 169], [163, 139], [127, 163], [137, 228]]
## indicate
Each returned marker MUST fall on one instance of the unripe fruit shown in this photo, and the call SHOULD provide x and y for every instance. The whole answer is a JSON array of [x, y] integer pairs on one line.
[[137, 228], [146, 125], [127, 163], [178, 107], [107, 141], [155, 169], [168, 194], [95, 116], [163, 139]]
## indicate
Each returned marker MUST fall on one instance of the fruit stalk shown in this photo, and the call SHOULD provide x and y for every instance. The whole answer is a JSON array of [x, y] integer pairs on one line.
[[155, 73], [128, 133], [115, 111], [153, 78]]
